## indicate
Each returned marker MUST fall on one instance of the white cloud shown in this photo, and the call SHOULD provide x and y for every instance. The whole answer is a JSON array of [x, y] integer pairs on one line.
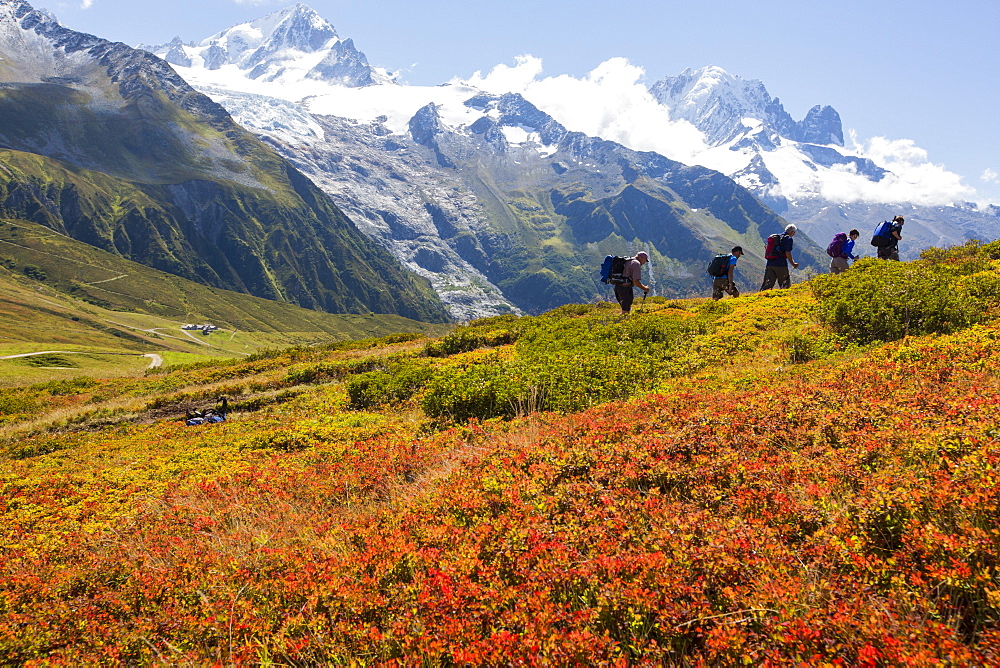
[[990, 176], [505, 79], [914, 178], [86, 4], [911, 177], [610, 102]]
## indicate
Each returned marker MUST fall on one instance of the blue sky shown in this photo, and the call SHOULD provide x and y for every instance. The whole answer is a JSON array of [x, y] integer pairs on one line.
[[915, 69]]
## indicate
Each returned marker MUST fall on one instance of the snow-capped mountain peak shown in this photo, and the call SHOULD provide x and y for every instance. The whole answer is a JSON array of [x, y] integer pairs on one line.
[[717, 103], [803, 169], [518, 119], [286, 46], [753, 139], [13, 10], [286, 33]]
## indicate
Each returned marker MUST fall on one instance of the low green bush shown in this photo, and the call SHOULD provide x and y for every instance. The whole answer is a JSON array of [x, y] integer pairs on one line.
[[493, 387], [487, 332], [15, 403], [560, 381], [562, 364], [805, 344], [880, 300], [399, 381], [971, 257], [313, 373], [67, 386], [35, 272], [984, 287]]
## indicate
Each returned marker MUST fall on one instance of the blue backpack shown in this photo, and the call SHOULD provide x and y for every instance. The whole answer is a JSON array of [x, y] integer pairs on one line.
[[883, 234], [612, 270]]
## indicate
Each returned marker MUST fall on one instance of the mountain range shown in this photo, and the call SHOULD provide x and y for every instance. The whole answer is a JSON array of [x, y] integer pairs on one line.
[[499, 205], [348, 133], [494, 203], [106, 144], [283, 47], [803, 170]]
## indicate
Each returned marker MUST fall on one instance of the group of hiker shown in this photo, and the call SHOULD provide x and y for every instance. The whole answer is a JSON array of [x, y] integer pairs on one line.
[[778, 256], [625, 273]]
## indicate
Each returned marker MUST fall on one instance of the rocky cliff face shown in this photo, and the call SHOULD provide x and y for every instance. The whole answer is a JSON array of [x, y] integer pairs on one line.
[[821, 125], [718, 104]]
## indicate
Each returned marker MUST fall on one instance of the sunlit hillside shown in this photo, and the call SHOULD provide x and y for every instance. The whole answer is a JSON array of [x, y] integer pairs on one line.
[[802, 476], [96, 314]]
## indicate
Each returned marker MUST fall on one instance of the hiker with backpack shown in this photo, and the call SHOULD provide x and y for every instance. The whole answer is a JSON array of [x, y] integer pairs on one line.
[[841, 249], [722, 269], [778, 253], [632, 277], [887, 237]]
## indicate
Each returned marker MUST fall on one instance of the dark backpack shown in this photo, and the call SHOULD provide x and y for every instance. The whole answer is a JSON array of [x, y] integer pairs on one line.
[[836, 247], [771, 250], [719, 266], [883, 234], [612, 270]]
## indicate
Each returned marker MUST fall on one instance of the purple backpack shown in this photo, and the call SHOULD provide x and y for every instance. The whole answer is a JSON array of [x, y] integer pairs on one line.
[[836, 247]]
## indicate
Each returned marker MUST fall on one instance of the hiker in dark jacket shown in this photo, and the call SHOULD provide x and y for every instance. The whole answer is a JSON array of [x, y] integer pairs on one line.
[[727, 283], [633, 272], [891, 250], [776, 270]]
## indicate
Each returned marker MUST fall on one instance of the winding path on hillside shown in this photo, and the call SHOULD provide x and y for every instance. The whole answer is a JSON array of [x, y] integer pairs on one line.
[[43, 352], [107, 280], [155, 360]]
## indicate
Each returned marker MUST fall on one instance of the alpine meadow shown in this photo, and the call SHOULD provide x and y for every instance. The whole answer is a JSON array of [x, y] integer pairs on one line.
[[304, 365], [798, 476]]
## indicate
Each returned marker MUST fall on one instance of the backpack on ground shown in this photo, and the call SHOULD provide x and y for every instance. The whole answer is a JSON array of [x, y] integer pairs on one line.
[[613, 270], [771, 248], [883, 234], [719, 266], [836, 247]]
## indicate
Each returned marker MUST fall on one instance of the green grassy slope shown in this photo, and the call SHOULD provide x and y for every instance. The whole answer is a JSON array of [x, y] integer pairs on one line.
[[62, 294]]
